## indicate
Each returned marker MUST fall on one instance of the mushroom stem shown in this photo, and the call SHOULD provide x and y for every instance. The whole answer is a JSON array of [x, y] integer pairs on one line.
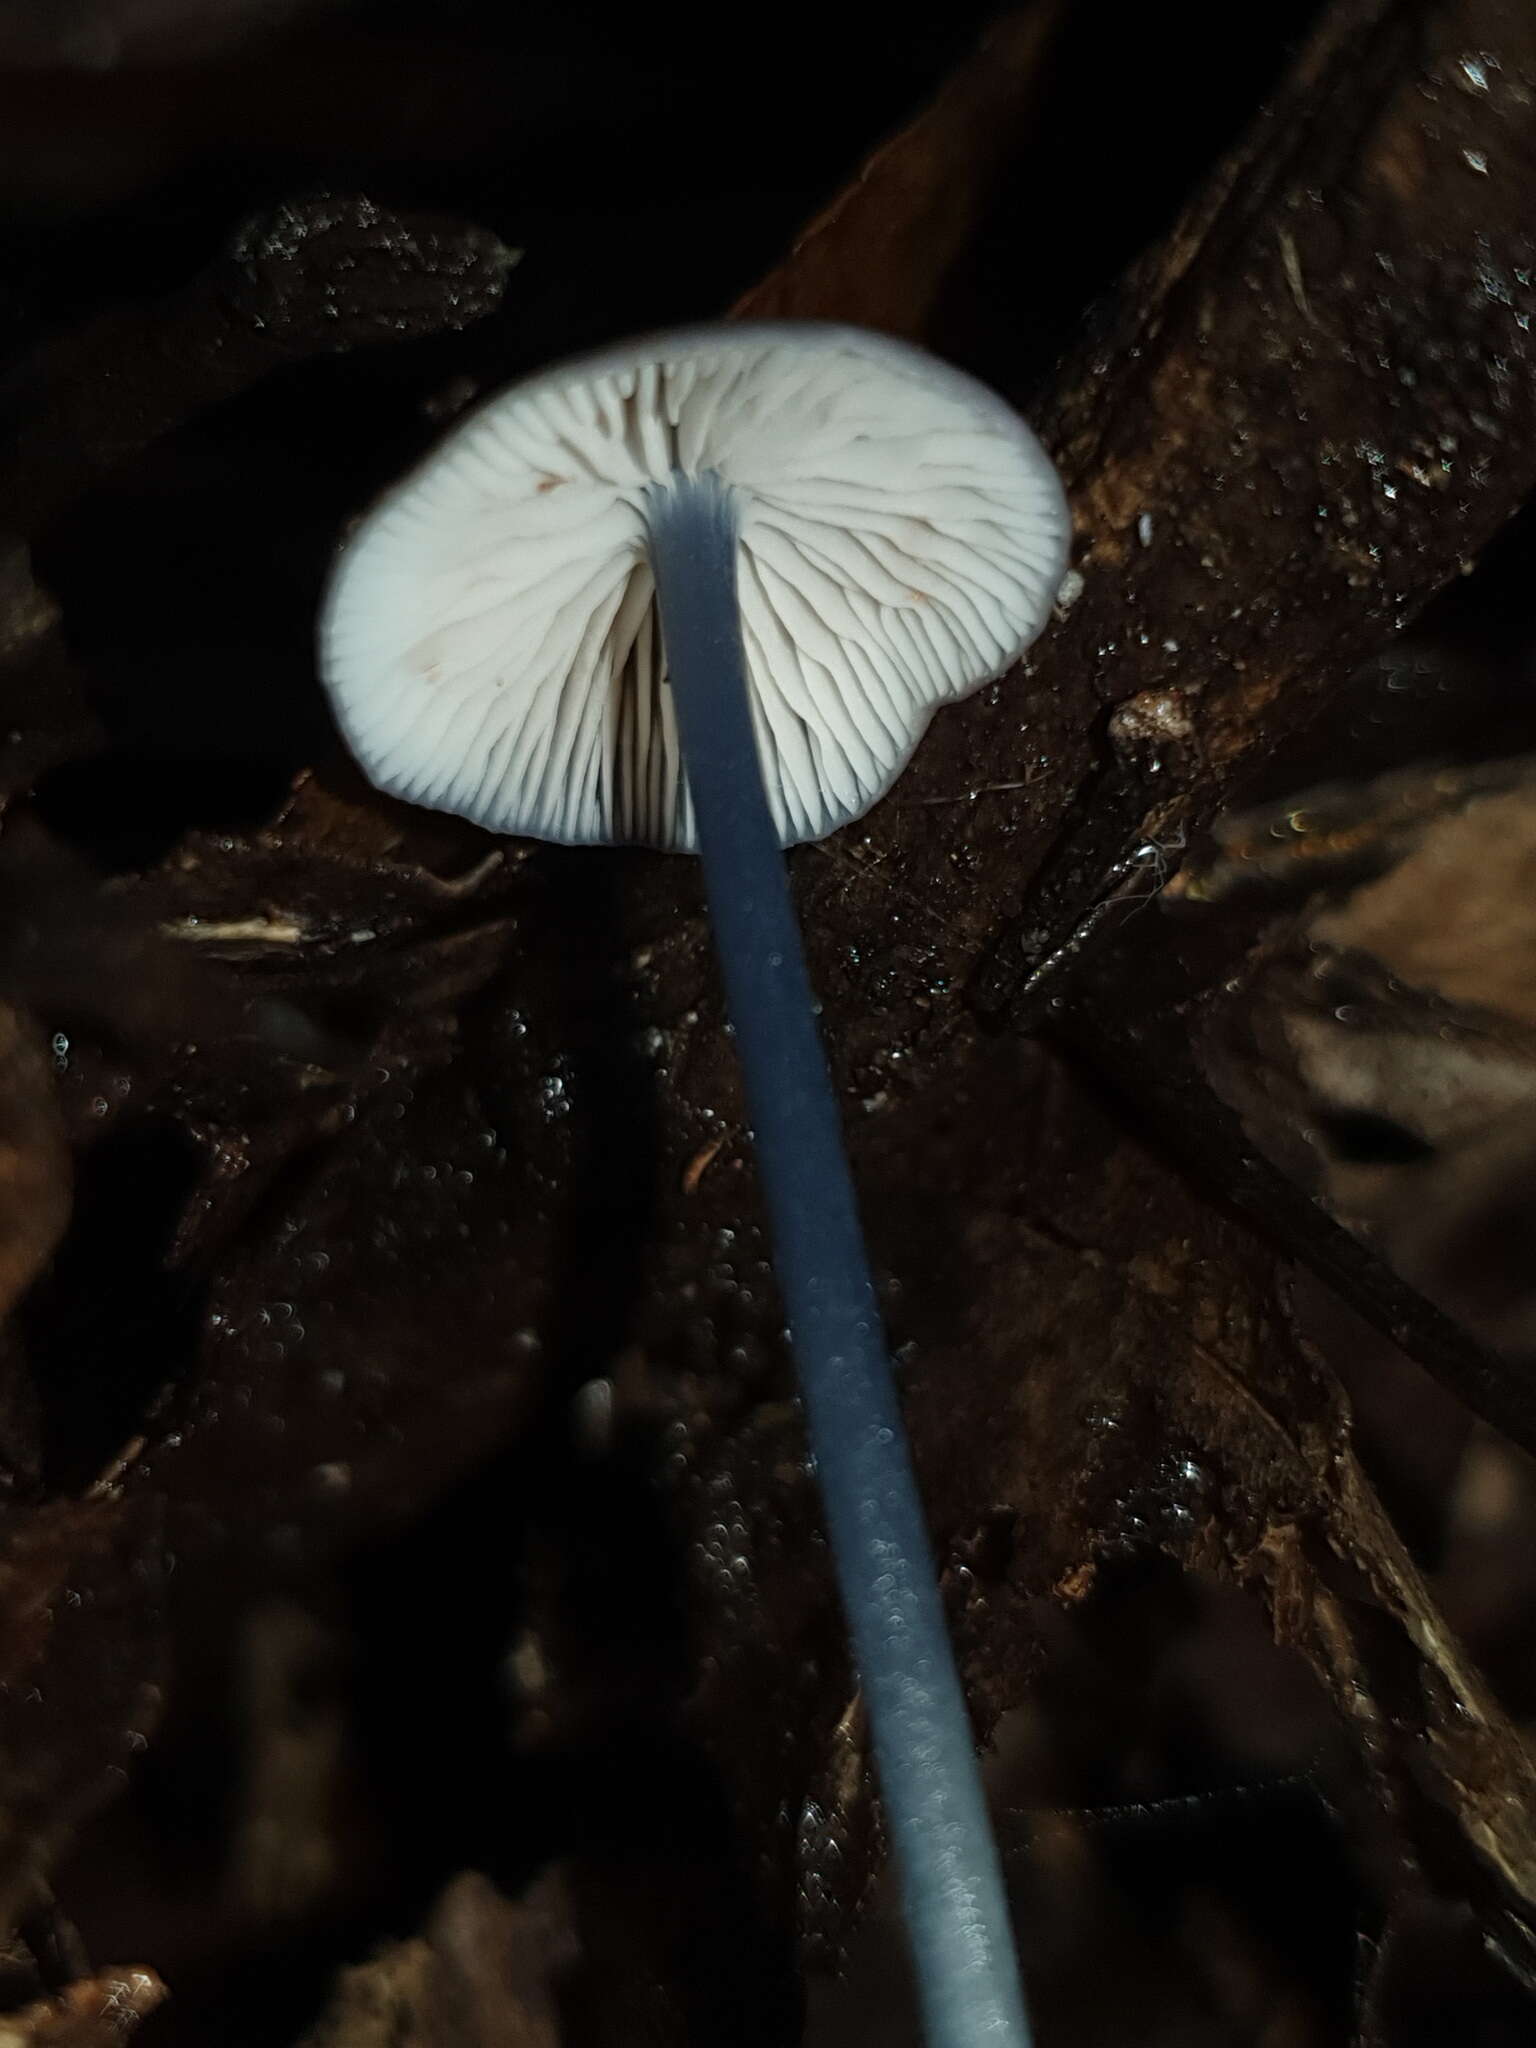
[[956, 1910]]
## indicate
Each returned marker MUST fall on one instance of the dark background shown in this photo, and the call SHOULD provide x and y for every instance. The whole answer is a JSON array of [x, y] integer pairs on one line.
[[649, 167]]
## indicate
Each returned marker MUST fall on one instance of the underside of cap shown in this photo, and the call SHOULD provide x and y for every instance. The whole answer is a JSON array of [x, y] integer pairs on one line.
[[490, 638]]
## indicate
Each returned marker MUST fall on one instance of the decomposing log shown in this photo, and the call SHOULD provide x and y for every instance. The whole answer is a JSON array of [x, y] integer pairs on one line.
[[1306, 412]]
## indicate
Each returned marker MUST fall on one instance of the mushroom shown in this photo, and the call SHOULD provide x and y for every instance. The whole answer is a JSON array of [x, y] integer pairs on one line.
[[705, 591]]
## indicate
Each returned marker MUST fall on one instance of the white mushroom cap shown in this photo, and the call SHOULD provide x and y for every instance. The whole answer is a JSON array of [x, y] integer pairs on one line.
[[490, 638]]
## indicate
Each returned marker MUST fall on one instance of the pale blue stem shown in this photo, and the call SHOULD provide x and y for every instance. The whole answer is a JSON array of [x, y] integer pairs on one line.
[[952, 1890]]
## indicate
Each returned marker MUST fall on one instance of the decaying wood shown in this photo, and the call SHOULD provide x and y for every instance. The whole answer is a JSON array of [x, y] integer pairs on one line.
[[1268, 478], [1308, 409]]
